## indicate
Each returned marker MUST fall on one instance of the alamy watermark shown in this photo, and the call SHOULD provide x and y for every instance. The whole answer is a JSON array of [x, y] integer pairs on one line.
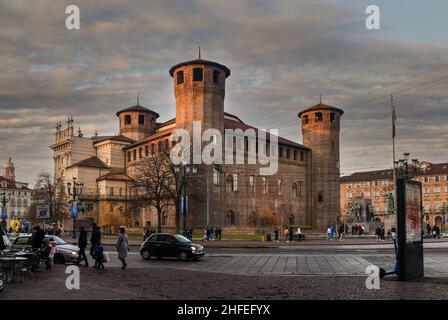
[[373, 279], [261, 147], [73, 280]]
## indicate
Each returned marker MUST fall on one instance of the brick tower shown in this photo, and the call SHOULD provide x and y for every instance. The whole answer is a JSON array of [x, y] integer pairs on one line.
[[199, 89], [320, 128], [136, 122]]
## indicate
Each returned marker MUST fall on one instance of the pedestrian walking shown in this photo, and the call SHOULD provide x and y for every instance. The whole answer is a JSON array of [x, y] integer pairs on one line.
[[37, 238], [95, 239], [341, 232], [328, 233], [276, 233], [378, 233], [123, 247], [82, 244], [98, 255], [291, 234]]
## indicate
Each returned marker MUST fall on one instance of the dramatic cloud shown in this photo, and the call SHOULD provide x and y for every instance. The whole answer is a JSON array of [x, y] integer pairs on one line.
[[282, 54]]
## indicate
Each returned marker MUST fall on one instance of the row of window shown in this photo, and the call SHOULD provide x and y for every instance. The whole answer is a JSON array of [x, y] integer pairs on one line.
[[17, 193], [318, 117], [427, 190], [198, 75], [433, 178], [136, 154], [141, 119], [376, 183], [232, 184]]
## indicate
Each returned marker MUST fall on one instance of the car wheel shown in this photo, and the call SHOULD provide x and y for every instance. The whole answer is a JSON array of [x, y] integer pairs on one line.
[[146, 255], [183, 255], [58, 259]]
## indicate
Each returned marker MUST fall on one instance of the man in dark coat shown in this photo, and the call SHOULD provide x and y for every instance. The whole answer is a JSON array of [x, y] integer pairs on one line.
[[38, 237], [95, 239], [82, 244]]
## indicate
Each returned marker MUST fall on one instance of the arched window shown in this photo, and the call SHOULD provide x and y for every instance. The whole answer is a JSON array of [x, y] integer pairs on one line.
[[197, 74], [216, 75], [229, 183], [305, 119], [295, 194], [292, 219], [141, 119], [180, 77], [332, 117], [318, 116], [230, 218], [127, 119]]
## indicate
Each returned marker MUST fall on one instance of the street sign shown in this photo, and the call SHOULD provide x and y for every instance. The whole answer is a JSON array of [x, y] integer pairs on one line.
[[184, 205], [43, 212], [74, 211], [4, 214]]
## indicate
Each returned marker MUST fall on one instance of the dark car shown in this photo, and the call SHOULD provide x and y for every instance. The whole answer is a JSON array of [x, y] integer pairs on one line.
[[161, 245]]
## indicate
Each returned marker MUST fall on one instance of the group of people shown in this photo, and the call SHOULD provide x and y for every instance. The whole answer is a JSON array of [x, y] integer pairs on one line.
[[380, 233], [358, 230], [97, 250], [433, 232], [288, 234], [148, 232], [211, 234]]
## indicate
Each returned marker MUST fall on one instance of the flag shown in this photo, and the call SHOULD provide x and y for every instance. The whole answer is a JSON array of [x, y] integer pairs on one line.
[[394, 120]]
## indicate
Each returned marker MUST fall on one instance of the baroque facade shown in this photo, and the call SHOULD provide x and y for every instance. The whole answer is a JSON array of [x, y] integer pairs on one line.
[[18, 195], [304, 191], [376, 188]]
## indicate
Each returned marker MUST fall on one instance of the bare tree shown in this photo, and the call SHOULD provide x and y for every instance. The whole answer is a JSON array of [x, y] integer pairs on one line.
[[49, 191], [152, 178]]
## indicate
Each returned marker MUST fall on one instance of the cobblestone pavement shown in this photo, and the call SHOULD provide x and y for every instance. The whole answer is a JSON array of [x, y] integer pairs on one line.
[[285, 264], [166, 283]]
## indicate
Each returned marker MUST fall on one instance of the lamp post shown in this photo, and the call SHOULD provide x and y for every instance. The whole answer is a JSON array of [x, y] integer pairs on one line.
[[185, 171], [74, 190], [406, 169], [444, 212], [4, 213]]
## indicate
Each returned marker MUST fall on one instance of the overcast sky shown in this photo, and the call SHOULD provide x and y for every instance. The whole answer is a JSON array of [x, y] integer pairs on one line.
[[282, 55]]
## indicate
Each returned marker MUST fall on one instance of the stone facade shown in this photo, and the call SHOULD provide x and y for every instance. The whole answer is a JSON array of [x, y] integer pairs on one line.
[[304, 191], [17, 194], [377, 187]]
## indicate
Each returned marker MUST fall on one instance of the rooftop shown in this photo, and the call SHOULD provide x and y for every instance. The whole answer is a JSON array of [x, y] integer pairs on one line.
[[203, 62], [137, 108], [321, 106]]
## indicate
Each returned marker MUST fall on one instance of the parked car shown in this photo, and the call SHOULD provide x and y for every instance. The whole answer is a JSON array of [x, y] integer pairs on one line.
[[65, 253], [161, 245]]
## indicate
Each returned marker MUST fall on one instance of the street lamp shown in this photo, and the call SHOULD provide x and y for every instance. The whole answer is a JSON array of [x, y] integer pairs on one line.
[[74, 190], [406, 169], [4, 213]]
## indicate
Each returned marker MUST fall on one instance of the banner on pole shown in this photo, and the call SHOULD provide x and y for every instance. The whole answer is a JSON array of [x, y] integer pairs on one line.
[[43, 212]]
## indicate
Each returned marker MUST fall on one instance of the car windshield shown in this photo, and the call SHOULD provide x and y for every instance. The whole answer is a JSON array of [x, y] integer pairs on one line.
[[180, 238], [57, 240]]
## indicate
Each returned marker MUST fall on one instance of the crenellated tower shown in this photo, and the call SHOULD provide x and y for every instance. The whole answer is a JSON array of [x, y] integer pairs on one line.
[[320, 129]]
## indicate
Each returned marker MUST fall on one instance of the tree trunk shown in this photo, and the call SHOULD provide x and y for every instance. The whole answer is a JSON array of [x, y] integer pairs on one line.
[[159, 220], [177, 218]]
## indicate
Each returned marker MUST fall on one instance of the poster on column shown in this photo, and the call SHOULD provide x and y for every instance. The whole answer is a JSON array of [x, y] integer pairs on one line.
[[413, 213]]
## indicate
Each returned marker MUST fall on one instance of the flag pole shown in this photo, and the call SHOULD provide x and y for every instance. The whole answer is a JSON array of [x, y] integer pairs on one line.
[[394, 119]]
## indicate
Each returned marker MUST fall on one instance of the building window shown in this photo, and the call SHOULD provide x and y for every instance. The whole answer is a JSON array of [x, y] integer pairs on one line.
[[264, 185], [153, 148], [129, 156], [164, 219], [436, 189], [140, 153], [134, 154], [295, 154], [280, 152], [146, 151], [127, 119], [332, 117], [318, 116], [301, 156], [216, 74], [235, 182], [141, 119], [426, 179], [197, 74], [215, 177], [111, 191], [229, 183], [252, 184], [299, 188], [320, 197], [230, 218], [437, 178], [280, 187], [305, 119], [287, 153], [294, 190], [180, 77]]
